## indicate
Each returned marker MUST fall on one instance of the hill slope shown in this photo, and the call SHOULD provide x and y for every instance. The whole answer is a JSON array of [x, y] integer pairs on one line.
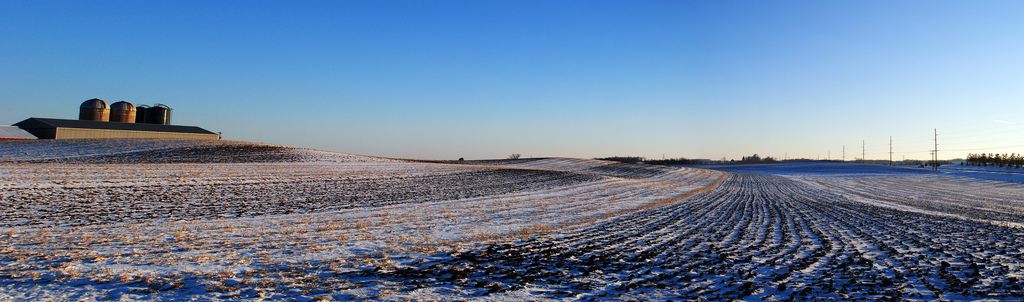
[[108, 151]]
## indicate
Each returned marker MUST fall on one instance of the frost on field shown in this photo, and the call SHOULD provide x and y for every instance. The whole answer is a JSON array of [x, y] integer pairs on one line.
[[161, 218], [174, 220]]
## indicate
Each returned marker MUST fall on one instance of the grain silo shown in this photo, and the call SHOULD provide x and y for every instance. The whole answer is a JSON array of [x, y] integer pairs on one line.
[[94, 110], [159, 114], [122, 112], [140, 114]]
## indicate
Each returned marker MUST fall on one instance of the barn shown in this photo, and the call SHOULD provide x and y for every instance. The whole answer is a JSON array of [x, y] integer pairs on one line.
[[12, 133], [51, 128], [122, 119]]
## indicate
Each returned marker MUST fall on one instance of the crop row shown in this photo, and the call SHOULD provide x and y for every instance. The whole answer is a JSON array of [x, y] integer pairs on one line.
[[304, 254], [234, 153], [969, 197], [753, 237], [552, 228], [134, 151], [133, 203]]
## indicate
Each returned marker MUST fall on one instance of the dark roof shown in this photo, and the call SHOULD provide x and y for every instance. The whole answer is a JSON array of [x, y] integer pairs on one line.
[[37, 123], [94, 104], [122, 105]]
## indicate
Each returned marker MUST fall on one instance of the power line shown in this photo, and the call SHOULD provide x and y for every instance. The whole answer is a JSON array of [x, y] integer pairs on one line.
[[981, 132], [990, 148], [979, 142], [971, 133]]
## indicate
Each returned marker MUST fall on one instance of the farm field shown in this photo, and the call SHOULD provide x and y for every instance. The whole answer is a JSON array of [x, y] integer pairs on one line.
[[157, 220]]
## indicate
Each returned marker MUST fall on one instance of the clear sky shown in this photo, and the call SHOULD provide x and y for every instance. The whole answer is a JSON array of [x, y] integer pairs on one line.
[[485, 79]]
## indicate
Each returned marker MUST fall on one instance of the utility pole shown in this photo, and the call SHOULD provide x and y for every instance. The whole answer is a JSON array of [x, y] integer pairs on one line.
[[890, 150], [863, 156], [935, 153]]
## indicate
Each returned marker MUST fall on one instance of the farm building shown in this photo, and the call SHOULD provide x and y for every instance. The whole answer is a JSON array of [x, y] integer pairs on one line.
[[12, 133], [122, 119], [49, 128]]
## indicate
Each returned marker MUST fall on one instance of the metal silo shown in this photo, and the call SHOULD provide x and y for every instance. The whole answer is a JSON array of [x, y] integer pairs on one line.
[[94, 110], [159, 114], [122, 112], [140, 114]]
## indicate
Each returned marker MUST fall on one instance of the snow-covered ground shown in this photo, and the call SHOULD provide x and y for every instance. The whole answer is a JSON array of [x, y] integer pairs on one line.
[[120, 223], [162, 220], [988, 173], [839, 169]]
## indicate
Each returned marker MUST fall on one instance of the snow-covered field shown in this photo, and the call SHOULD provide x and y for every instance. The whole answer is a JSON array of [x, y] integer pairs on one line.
[[185, 220]]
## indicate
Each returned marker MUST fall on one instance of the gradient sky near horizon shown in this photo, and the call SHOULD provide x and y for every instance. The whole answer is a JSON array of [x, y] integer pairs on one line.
[[485, 79]]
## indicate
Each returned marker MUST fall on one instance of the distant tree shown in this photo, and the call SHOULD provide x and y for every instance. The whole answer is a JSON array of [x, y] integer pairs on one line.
[[671, 161], [624, 159], [758, 159], [514, 156], [1012, 160]]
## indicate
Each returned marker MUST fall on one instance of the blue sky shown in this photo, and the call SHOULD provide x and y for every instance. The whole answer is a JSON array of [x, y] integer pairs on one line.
[[484, 79]]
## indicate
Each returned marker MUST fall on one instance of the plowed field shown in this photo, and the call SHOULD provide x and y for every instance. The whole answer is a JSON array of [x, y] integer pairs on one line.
[[179, 220]]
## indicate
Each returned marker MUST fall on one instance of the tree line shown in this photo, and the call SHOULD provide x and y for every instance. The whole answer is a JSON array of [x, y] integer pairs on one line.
[[684, 161], [757, 159], [995, 160], [639, 159]]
